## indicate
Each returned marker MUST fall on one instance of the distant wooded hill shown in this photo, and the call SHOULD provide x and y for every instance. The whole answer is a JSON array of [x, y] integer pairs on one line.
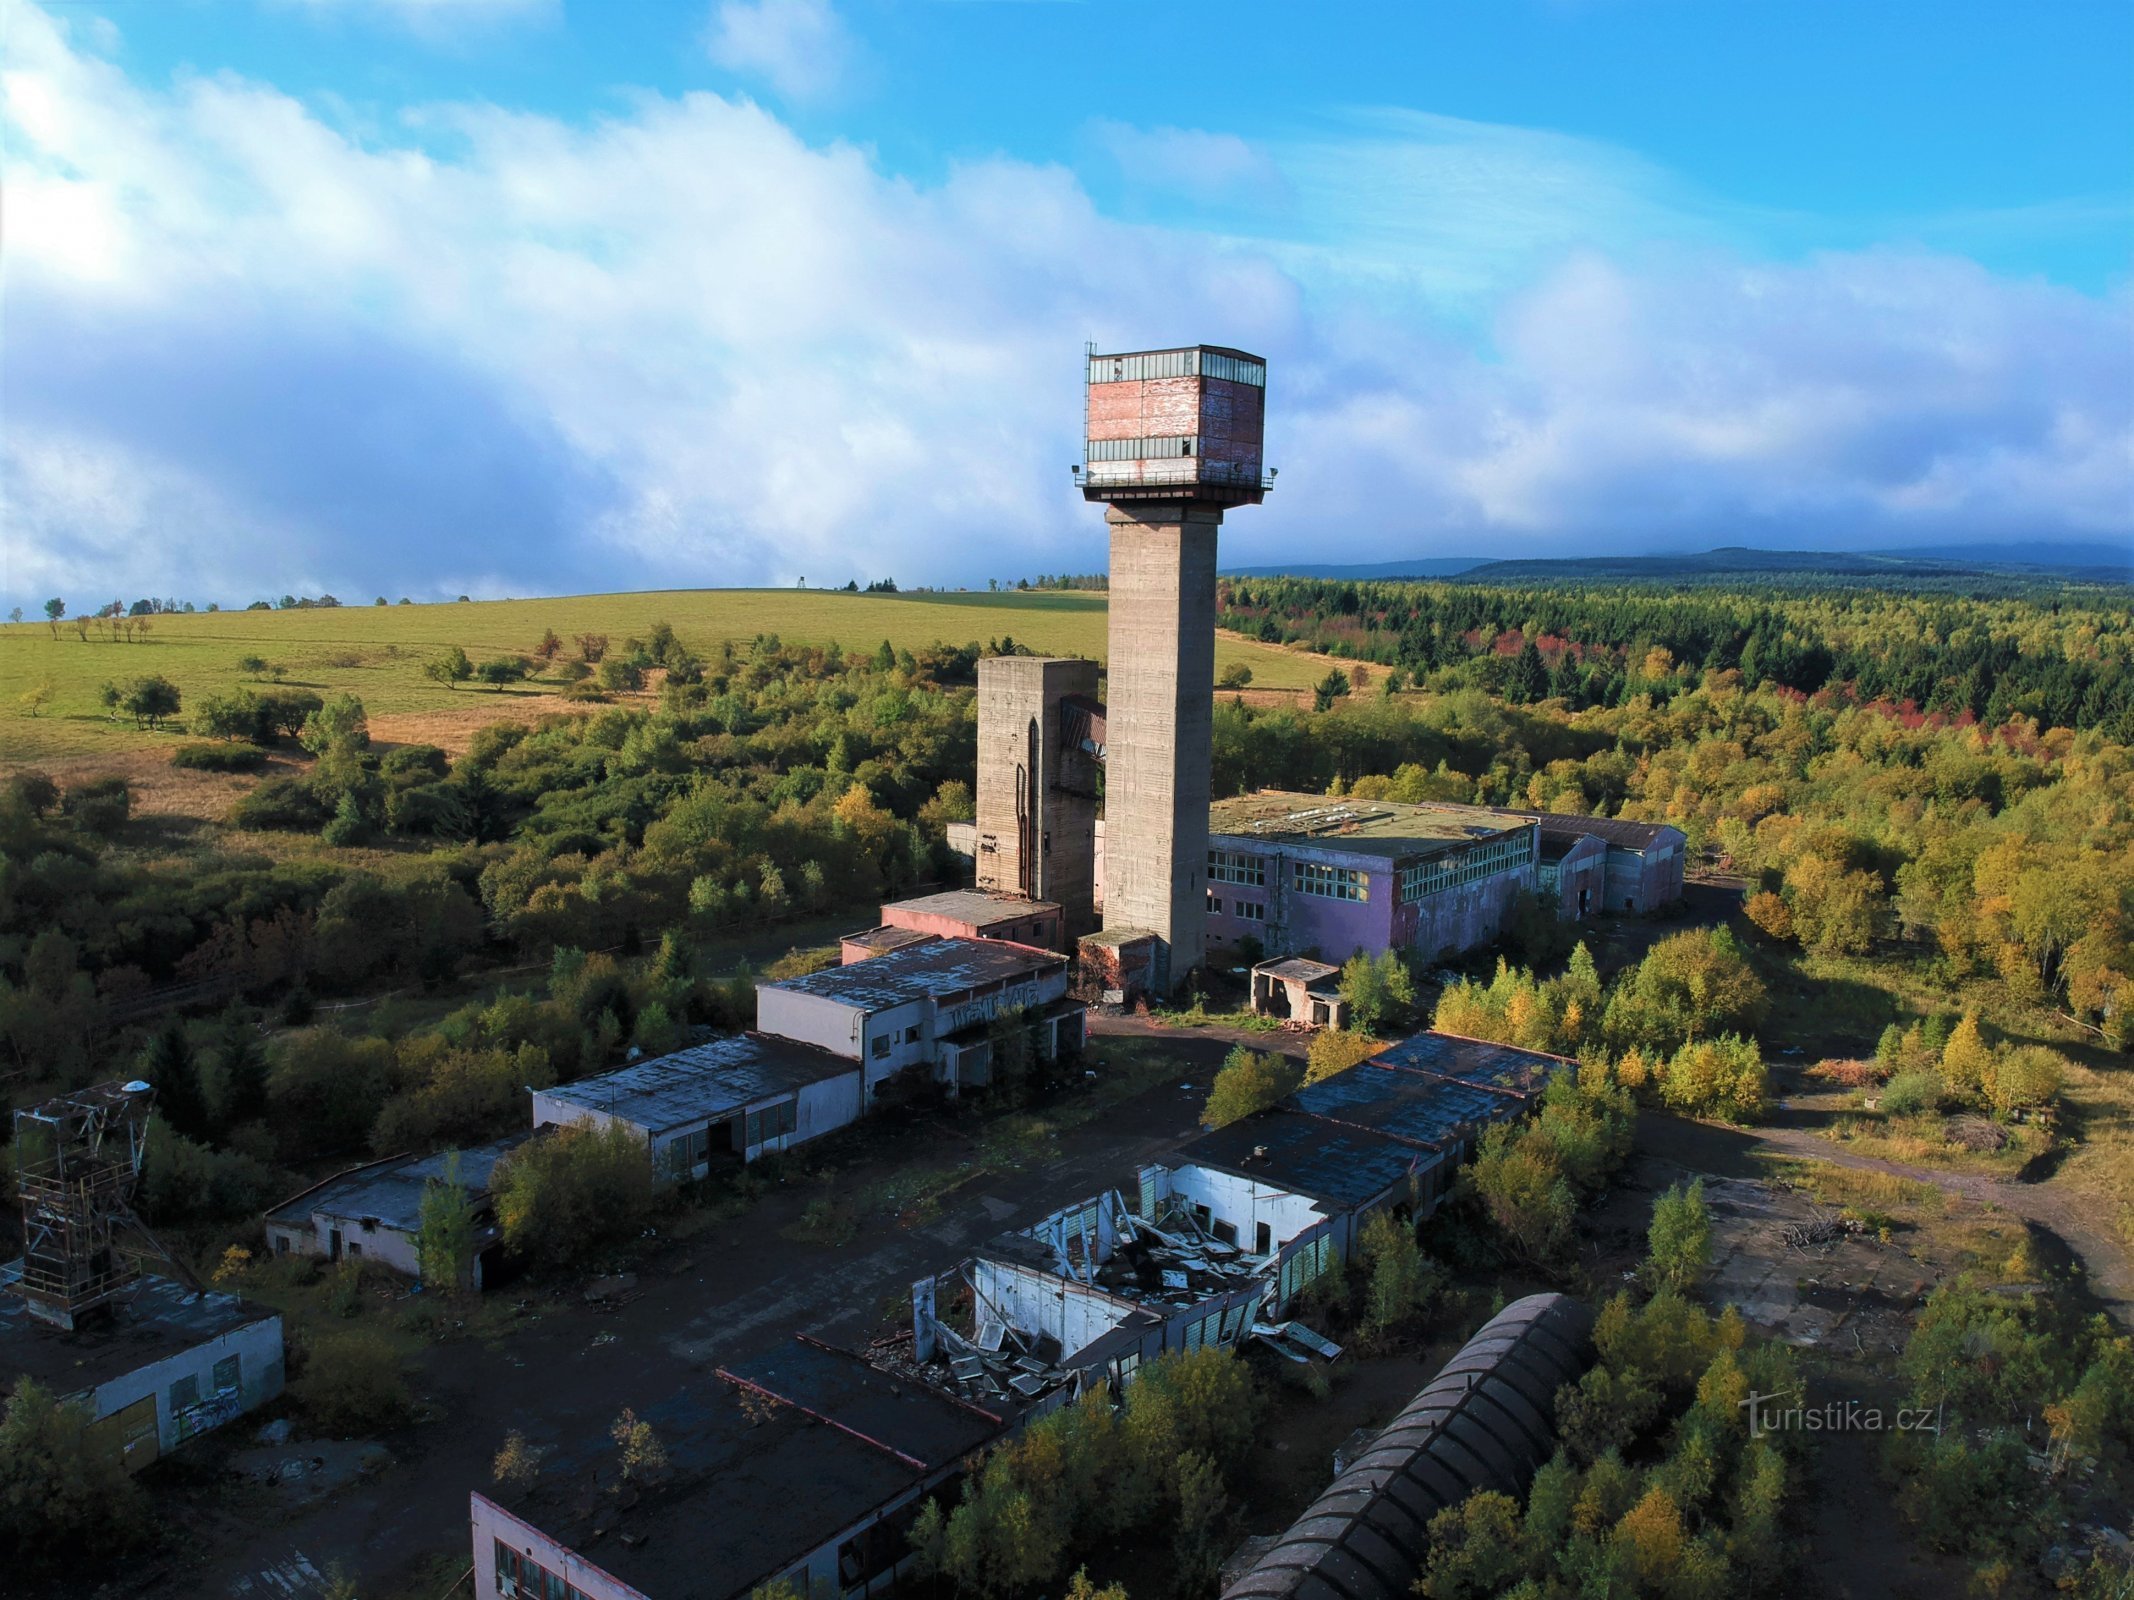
[[1933, 566]]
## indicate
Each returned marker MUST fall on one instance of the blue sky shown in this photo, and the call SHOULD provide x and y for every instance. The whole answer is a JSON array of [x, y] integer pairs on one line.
[[519, 296]]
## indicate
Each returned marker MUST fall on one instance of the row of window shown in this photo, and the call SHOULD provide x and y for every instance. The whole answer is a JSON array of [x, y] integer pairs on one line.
[[772, 1122], [1217, 1327], [1306, 1264], [1505, 851], [185, 1392], [1329, 883], [1177, 364], [1140, 449], [1243, 910], [1235, 866], [520, 1577]]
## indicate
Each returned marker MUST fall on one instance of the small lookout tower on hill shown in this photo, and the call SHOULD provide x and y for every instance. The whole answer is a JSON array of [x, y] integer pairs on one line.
[[1172, 439]]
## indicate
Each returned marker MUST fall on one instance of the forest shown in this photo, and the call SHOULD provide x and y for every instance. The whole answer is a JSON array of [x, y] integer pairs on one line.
[[2062, 658]]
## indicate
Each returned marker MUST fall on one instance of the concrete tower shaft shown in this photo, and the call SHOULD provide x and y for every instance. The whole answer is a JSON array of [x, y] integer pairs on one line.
[[1159, 707]]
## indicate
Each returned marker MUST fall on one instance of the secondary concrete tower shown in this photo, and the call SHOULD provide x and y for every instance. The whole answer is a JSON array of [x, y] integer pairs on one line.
[[1173, 440], [1040, 737]]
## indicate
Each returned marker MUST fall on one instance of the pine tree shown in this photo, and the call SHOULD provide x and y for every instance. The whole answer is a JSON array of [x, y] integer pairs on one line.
[[240, 1073], [169, 1067]]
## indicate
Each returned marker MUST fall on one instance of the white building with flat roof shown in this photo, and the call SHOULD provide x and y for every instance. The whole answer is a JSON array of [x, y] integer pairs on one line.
[[929, 1005], [728, 1100]]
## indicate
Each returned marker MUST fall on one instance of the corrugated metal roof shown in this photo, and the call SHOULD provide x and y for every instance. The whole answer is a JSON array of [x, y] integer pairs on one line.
[[391, 1190], [946, 966], [1484, 1422], [1502, 1067], [1409, 1106], [705, 1081], [1306, 1155]]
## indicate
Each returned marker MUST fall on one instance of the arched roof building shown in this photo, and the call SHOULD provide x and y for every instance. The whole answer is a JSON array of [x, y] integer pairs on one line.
[[1486, 1421]]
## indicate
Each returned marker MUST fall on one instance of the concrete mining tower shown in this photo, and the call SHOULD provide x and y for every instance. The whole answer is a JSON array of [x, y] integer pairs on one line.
[[1173, 441]]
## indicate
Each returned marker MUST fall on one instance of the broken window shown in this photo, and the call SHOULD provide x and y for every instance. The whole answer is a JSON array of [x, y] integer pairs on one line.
[[184, 1394], [880, 1047], [226, 1375]]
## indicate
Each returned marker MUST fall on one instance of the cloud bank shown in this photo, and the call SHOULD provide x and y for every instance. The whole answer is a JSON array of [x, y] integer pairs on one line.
[[498, 353]]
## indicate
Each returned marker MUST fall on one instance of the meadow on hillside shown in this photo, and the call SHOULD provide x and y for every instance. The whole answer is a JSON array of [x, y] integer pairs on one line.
[[378, 653]]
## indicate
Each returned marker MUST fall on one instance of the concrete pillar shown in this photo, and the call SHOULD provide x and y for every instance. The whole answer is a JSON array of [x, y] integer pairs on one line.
[[1159, 701], [1037, 797]]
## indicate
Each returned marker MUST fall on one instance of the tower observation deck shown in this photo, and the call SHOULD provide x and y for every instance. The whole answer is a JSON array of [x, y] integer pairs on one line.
[[1172, 439]]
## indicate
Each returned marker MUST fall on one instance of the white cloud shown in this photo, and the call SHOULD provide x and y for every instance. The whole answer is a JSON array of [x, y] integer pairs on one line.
[[247, 353], [436, 20], [798, 47], [1191, 161]]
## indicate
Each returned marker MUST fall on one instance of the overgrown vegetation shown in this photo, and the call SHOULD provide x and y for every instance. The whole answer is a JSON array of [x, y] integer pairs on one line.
[[1088, 1475]]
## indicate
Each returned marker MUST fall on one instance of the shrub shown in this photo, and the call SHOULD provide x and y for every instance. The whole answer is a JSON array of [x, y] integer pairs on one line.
[[1248, 1082], [2023, 1078], [353, 1382], [64, 1494], [1910, 1093], [100, 806], [1721, 1077], [1691, 985], [219, 757], [241, 715], [284, 711], [1400, 1279], [1378, 989], [566, 1196], [1679, 1243], [1521, 1184], [1336, 1050], [617, 675], [290, 804]]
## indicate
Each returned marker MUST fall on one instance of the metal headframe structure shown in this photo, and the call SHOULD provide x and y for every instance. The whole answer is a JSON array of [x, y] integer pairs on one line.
[[78, 1164]]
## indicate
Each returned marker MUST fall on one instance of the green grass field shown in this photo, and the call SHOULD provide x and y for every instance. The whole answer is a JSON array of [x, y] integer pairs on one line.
[[378, 652]]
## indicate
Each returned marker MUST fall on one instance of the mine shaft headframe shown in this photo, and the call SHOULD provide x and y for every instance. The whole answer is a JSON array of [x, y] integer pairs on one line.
[[78, 1164], [93, 1135]]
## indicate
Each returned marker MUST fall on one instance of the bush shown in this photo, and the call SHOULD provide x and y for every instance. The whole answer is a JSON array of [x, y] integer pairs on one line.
[[1336, 1050], [1378, 989], [219, 757], [1248, 1082], [1910, 1093], [1691, 985], [1721, 1077], [353, 1382], [1679, 1243], [64, 1495], [565, 1196], [290, 804], [100, 806]]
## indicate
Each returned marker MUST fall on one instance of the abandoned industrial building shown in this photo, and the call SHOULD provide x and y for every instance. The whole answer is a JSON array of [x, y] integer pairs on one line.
[[1296, 872], [373, 1212], [1638, 866], [727, 1101], [804, 1464], [930, 1005], [963, 914], [1484, 1422], [154, 1360], [1224, 1236]]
